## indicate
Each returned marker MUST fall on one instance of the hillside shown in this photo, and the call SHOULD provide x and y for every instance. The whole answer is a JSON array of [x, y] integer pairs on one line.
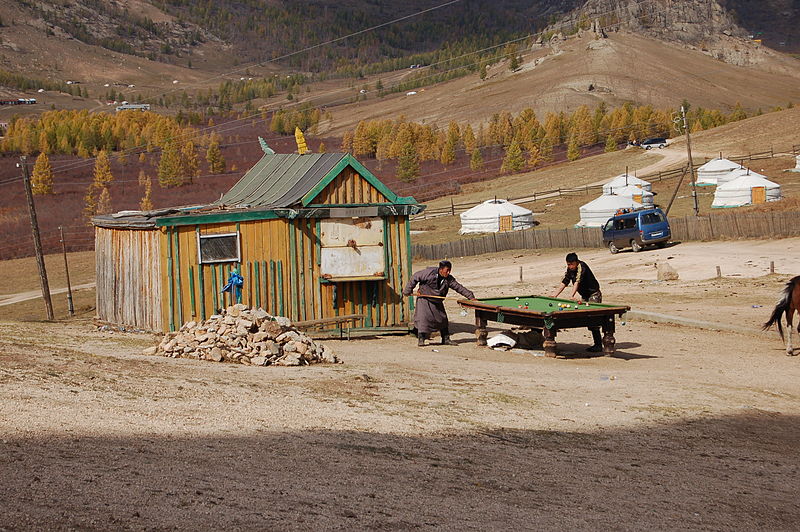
[[150, 43], [564, 74]]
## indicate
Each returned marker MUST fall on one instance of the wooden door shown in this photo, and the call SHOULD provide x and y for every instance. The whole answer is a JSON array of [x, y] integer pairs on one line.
[[506, 223], [758, 194]]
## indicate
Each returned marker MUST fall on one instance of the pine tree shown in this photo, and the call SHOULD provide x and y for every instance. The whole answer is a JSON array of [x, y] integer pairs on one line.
[[98, 198], [513, 160], [347, 142], [216, 161], [102, 170], [546, 150], [611, 144], [146, 203], [470, 142], [104, 201], [534, 156], [42, 178], [169, 165], [573, 148], [408, 164], [448, 154], [476, 160], [190, 167]]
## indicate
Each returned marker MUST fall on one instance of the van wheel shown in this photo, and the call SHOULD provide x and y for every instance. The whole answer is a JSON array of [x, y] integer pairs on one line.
[[636, 246], [612, 248]]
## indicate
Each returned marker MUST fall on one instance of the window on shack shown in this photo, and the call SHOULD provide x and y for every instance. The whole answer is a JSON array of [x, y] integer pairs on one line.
[[220, 247]]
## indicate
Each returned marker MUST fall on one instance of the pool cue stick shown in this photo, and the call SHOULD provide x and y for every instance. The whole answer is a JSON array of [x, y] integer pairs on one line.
[[436, 297]]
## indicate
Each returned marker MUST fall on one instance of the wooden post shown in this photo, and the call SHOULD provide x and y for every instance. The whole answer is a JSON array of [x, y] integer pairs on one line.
[[520, 274], [772, 266], [480, 329], [691, 164], [719, 272], [37, 242], [452, 208], [70, 306], [549, 343]]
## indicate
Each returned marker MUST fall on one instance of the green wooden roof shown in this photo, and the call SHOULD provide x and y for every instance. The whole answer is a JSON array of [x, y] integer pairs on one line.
[[284, 180]]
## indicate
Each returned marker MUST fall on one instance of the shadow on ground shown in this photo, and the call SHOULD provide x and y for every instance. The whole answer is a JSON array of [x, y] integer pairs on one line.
[[734, 472]]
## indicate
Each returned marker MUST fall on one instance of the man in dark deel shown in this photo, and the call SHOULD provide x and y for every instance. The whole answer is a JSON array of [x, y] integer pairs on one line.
[[586, 285], [430, 316]]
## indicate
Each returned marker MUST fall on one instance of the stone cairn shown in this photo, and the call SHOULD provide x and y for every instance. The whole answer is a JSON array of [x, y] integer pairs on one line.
[[245, 336]]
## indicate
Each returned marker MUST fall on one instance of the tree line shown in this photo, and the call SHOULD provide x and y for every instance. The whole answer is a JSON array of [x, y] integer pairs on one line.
[[525, 139]]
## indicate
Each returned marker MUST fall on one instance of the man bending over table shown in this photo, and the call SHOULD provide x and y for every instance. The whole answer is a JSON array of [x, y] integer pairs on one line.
[[430, 315], [585, 285]]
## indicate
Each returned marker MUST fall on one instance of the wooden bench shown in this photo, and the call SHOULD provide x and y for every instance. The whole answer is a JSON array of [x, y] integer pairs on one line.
[[343, 319]]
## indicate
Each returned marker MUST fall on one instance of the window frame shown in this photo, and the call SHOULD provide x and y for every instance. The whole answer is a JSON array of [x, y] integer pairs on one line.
[[206, 236]]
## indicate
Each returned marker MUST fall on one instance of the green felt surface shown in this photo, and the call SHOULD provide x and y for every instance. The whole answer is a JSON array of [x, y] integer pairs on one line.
[[540, 303]]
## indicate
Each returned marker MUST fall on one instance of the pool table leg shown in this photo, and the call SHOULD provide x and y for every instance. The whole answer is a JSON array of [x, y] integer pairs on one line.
[[480, 329], [549, 343], [608, 336]]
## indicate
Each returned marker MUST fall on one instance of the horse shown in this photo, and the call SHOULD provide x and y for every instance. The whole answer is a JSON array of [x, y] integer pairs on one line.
[[788, 303]]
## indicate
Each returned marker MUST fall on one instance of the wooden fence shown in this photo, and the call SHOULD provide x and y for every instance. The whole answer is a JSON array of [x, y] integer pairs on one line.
[[664, 175], [727, 226]]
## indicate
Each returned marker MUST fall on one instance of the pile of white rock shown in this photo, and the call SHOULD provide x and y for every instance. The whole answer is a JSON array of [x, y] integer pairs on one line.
[[246, 336]]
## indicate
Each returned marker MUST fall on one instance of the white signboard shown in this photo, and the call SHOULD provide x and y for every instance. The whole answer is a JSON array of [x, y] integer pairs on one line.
[[352, 248]]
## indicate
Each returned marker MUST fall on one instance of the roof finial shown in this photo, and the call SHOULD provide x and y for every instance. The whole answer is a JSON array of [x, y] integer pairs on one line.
[[267, 150], [302, 147]]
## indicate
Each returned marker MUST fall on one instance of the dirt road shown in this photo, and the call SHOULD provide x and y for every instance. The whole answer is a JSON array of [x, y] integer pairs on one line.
[[684, 428]]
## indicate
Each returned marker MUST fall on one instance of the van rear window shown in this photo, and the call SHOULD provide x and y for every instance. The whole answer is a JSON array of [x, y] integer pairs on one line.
[[652, 218]]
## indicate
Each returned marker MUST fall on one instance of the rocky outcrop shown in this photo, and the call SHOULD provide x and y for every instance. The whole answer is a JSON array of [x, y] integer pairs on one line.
[[245, 336]]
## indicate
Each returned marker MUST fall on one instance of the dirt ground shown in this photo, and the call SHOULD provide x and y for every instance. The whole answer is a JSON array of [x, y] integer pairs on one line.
[[684, 428]]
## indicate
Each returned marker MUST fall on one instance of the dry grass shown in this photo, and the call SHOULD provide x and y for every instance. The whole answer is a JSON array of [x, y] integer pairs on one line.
[[34, 310], [22, 275]]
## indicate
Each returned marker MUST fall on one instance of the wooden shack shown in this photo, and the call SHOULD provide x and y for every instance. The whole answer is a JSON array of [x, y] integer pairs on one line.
[[315, 236]]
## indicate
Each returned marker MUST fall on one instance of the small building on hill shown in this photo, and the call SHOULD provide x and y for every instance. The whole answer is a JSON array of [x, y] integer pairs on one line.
[[709, 173], [625, 180], [748, 189], [315, 236], [597, 212], [736, 174], [496, 215]]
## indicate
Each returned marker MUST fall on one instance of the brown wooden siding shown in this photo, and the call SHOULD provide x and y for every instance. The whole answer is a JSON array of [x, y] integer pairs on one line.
[[128, 269], [281, 270], [348, 188]]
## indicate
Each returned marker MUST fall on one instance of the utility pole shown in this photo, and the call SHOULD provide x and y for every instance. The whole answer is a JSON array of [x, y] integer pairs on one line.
[[37, 242], [70, 306], [691, 162]]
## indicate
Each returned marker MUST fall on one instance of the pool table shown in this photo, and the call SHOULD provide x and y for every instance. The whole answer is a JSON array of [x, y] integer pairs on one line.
[[546, 313]]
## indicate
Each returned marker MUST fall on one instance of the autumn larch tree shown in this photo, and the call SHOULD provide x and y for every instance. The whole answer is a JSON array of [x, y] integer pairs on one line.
[[513, 160], [408, 164], [216, 161], [42, 178]]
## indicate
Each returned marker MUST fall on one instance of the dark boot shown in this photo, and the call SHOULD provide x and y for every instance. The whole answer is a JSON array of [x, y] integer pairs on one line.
[[421, 337], [446, 337], [598, 341]]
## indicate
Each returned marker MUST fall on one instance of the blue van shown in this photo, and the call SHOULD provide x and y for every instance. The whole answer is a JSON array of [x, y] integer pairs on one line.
[[637, 229]]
